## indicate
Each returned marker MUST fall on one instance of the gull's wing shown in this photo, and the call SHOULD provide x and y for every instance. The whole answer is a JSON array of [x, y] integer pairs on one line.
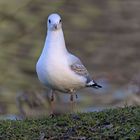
[[79, 69], [77, 66]]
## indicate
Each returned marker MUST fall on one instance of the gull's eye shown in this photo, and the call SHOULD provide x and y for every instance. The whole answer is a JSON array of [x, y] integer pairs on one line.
[[60, 21], [49, 21]]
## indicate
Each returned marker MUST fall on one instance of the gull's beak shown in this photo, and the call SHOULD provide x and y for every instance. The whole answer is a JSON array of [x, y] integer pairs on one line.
[[55, 26]]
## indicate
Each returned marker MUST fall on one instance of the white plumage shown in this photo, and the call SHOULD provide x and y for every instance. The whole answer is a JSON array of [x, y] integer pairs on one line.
[[56, 67]]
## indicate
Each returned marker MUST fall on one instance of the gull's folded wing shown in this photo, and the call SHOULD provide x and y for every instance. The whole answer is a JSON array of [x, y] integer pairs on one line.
[[79, 69], [77, 66]]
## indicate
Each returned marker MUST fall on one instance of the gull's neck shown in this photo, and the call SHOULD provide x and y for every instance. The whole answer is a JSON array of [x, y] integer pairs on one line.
[[54, 42]]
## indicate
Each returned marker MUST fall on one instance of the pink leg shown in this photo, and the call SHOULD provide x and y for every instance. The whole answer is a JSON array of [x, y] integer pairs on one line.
[[72, 102], [52, 102]]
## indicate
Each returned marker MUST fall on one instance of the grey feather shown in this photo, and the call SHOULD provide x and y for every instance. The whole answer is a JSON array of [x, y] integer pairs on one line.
[[77, 66]]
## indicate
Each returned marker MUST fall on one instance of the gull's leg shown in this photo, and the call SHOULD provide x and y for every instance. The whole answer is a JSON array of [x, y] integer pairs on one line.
[[76, 96], [72, 99], [52, 102]]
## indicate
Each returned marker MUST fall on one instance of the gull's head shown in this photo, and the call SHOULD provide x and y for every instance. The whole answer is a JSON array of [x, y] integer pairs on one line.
[[54, 22]]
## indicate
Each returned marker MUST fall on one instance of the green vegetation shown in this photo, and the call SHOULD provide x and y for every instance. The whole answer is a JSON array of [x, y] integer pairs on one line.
[[104, 34], [121, 123]]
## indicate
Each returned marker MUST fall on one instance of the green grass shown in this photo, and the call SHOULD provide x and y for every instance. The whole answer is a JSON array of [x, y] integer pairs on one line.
[[121, 123]]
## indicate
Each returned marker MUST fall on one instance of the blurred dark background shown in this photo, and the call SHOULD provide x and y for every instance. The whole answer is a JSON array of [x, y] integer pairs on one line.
[[104, 34]]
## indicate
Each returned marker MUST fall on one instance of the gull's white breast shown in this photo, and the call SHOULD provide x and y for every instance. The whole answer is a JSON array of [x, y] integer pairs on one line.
[[54, 71]]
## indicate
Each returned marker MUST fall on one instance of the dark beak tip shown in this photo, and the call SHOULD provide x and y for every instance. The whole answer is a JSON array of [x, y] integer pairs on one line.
[[55, 26]]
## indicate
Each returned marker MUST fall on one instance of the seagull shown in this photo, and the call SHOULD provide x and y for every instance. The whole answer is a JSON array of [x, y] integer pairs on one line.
[[57, 68]]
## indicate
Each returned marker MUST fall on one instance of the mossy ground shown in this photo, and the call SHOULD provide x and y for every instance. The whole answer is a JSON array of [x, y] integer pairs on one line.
[[121, 123]]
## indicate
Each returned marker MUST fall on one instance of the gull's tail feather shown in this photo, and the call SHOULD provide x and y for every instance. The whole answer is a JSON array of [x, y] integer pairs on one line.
[[93, 84]]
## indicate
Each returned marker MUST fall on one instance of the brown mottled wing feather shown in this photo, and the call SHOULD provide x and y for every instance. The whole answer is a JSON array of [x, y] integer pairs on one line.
[[77, 66], [79, 69]]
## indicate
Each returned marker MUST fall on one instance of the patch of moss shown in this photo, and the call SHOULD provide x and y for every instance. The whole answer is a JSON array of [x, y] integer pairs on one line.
[[121, 123]]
